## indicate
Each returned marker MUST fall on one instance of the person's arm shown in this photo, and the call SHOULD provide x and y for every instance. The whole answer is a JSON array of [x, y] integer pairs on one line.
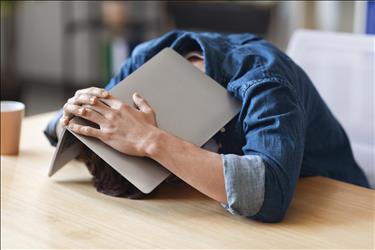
[[228, 179], [274, 128], [259, 184], [200, 168]]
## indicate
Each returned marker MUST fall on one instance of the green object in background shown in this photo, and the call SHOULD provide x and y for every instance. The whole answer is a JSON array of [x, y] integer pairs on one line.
[[7, 7], [107, 62]]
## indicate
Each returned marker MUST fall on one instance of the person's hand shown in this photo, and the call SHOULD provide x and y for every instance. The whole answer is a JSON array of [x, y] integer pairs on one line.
[[81, 97], [122, 127]]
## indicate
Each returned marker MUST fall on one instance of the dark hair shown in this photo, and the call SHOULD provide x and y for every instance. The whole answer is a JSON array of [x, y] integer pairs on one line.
[[107, 180]]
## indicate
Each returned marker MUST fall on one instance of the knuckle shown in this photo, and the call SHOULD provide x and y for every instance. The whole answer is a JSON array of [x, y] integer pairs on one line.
[[81, 111], [77, 99], [73, 110], [110, 116], [142, 101], [81, 129], [147, 110], [74, 127], [86, 112], [115, 113], [92, 99], [89, 114], [125, 106], [111, 126], [86, 130], [110, 134], [106, 136], [69, 108], [83, 98]]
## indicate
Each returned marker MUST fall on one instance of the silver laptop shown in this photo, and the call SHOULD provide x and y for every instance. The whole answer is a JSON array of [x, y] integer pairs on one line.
[[188, 104]]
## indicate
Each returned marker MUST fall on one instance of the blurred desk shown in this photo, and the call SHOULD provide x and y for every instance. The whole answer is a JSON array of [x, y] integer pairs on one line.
[[66, 211]]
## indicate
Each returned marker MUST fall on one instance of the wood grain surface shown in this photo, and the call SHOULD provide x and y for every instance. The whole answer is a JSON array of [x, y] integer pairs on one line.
[[65, 211]]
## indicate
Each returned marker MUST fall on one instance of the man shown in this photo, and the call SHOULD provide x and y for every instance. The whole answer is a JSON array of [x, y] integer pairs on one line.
[[283, 131]]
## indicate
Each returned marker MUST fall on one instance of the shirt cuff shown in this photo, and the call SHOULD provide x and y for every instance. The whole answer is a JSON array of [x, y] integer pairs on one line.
[[244, 178]]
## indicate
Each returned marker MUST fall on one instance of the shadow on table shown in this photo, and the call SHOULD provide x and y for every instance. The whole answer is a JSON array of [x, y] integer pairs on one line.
[[165, 191], [177, 191]]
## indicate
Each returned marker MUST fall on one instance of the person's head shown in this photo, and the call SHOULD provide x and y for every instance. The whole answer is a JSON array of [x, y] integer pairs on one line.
[[107, 180], [115, 16]]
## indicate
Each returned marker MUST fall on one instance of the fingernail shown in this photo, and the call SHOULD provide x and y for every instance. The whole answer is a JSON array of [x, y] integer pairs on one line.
[[105, 94], [81, 111]]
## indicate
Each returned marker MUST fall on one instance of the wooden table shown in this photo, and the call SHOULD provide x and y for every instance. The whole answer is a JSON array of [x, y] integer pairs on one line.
[[66, 211]]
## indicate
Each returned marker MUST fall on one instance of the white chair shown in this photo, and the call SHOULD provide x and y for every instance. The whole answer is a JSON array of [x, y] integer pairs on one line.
[[341, 66]]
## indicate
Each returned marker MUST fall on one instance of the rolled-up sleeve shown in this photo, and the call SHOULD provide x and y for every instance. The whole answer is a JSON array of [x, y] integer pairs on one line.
[[244, 183], [273, 121]]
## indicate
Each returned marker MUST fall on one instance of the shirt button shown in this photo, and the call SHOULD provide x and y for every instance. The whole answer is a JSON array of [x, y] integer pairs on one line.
[[222, 130]]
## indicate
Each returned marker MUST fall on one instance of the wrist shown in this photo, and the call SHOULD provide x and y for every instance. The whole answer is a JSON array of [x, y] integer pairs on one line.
[[152, 145]]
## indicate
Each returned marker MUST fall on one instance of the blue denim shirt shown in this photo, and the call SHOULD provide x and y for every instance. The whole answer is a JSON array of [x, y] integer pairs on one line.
[[283, 131]]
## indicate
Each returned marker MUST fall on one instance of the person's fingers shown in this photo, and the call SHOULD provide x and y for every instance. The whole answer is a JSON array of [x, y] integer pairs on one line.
[[112, 103], [93, 91], [86, 130], [93, 116], [89, 96], [142, 104], [86, 112], [65, 120], [83, 99], [99, 107], [73, 109], [67, 113]]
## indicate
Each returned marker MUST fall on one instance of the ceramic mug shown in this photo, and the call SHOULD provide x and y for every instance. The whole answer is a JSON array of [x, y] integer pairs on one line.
[[11, 118]]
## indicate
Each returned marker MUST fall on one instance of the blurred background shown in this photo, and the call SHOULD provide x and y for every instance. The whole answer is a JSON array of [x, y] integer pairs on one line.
[[51, 48]]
